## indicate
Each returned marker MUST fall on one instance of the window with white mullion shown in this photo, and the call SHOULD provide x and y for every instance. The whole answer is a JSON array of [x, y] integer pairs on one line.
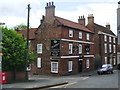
[[54, 67], [39, 62], [70, 66], [110, 48], [105, 47], [80, 35], [70, 33], [87, 63], [88, 36], [80, 48], [114, 48], [70, 48], [39, 48], [105, 38]]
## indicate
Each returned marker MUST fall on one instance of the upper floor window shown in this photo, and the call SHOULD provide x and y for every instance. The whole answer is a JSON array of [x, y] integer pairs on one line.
[[70, 48], [114, 48], [70, 33], [113, 40], [110, 48], [80, 35], [80, 48], [39, 48], [88, 36], [109, 39], [105, 48], [105, 38]]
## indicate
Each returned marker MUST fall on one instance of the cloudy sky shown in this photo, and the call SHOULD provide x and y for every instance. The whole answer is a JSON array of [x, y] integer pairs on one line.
[[14, 12]]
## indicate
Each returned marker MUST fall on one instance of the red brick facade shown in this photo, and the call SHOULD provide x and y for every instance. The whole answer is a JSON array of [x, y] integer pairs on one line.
[[61, 49]]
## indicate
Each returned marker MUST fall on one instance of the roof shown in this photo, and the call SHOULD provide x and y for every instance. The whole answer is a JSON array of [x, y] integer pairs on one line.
[[31, 33], [100, 28], [71, 24]]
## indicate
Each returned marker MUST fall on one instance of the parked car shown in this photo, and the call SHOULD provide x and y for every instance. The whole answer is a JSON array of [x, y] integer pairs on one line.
[[118, 66], [106, 68]]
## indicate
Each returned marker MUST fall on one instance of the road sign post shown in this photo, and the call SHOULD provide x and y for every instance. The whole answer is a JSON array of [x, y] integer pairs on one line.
[[0, 59]]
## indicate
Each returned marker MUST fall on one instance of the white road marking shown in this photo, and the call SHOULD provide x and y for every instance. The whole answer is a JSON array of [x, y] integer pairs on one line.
[[63, 85], [84, 78]]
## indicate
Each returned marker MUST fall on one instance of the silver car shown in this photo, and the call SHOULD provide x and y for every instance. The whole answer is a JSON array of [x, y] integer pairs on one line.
[[106, 68]]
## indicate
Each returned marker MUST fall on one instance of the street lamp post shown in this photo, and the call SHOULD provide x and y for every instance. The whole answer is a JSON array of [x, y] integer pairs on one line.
[[27, 46]]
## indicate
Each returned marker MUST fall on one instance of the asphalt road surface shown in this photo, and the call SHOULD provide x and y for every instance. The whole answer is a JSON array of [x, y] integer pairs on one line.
[[94, 81]]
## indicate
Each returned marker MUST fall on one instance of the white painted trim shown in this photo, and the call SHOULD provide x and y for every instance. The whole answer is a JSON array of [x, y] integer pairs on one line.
[[107, 34], [76, 41], [89, 56], [77, 56], [69, 56]]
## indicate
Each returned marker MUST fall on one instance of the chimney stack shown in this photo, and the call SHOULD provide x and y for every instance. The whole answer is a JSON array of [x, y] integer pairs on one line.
[[50, 11], [90, 18], [81, 20], [108, 26]]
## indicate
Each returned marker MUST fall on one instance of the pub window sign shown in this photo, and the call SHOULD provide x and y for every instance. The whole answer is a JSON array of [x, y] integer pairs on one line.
[[55, 47]]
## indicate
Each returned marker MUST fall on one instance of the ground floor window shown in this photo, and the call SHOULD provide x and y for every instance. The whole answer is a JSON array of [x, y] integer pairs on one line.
[[110, 60], [39, 62], [105, 60], [114, 61], [70, 66], [54, 67], [87, 63]]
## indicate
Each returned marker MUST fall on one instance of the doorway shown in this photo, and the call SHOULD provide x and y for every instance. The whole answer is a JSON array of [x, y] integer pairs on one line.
[[80, 65]]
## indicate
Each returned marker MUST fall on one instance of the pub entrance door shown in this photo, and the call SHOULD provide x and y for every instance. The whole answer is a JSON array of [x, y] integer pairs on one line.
[[80, 65]]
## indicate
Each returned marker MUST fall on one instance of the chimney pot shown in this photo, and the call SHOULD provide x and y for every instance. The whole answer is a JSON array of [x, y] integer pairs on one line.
[[108, 26], [47, 4], [90, 18], [52, 3], [81, 20]]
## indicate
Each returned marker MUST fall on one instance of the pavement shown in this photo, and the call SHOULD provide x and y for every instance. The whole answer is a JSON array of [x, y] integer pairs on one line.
[[42, 81]]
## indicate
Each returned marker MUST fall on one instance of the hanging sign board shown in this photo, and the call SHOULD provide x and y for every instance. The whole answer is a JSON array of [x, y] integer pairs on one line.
[[55, 47]]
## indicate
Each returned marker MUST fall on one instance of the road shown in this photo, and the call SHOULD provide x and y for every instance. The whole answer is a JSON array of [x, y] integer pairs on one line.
[[94, 81]]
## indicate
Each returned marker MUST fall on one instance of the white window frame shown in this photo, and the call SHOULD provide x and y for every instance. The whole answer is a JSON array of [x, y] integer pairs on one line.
[[110, 60], [105, 37], [110, 38], [80, 35], [110, 48], [88, 36], [39, 62], [114, 40], [114, 48], [54, 69], [105, 48], [80, 48], [114, 59], [70, 48], [106, 60], [70, 64], [70, 33], [87, 63], [39, 48]]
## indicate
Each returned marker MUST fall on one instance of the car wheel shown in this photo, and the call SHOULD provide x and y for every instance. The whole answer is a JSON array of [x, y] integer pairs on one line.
[[98, 73], [111, 72]]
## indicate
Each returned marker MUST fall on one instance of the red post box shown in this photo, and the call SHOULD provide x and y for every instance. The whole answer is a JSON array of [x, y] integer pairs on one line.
[[3, 77]]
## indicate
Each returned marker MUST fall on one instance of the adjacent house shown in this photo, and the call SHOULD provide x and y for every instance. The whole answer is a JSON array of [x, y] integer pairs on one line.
[[105, 43]]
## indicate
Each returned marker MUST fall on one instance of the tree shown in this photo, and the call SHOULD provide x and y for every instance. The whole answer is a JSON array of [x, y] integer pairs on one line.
[[21, 26], [14, 51]]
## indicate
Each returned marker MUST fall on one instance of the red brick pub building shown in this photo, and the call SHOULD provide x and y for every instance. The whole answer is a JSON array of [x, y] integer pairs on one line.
[[63, 47]]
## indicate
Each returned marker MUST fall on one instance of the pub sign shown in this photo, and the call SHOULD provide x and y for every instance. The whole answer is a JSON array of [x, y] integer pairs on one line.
[[55, 47]]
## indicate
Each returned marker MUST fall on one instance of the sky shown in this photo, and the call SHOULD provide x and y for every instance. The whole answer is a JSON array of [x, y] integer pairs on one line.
[[14, 12]]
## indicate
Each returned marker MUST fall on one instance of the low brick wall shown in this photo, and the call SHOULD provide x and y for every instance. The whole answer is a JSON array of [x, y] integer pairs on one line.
[[20, 76]]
